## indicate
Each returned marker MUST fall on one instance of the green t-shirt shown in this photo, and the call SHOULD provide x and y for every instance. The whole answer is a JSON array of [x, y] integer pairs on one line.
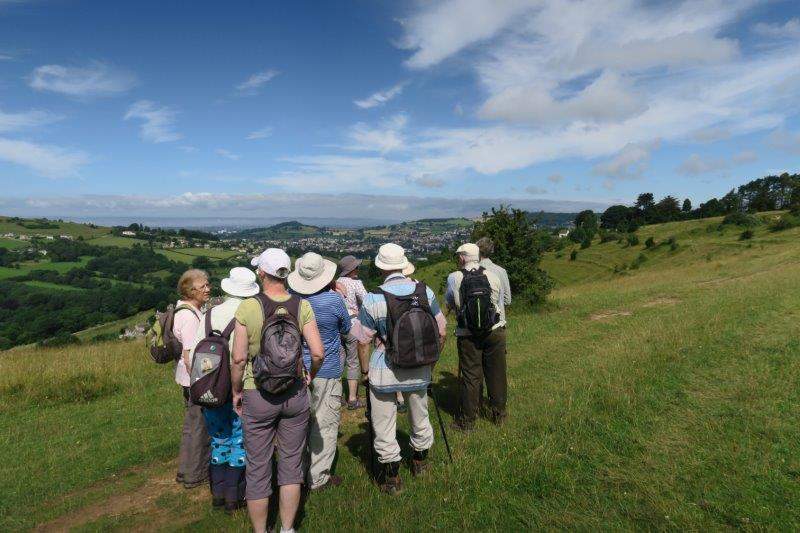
[[250, 315]]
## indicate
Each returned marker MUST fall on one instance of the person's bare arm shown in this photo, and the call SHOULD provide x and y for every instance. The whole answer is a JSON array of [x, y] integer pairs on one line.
[[239, 361], [315, 347], [363, 357], [187, 360]]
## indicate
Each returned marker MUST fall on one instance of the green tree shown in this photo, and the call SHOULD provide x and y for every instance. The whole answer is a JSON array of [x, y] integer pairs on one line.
[[617, 217], [687, 206], [519, 247], [587, 220]]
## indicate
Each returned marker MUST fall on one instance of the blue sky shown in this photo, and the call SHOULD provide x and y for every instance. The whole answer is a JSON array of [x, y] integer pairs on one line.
[[272, 109]]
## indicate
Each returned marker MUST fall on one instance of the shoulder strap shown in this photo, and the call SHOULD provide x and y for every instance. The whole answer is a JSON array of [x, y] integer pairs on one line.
[[208, 322], [293, 306], [229, 329], [184, 306]]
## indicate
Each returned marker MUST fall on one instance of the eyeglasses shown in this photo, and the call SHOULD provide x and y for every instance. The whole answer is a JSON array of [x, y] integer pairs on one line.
[[205, 285]]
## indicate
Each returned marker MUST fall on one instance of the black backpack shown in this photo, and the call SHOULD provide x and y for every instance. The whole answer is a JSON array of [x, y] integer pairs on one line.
[[412, 338], [477, 313], [279, 364], [210, 379]]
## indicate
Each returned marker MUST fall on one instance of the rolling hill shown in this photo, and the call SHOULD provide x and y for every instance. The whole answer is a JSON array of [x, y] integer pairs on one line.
[[660, 397]]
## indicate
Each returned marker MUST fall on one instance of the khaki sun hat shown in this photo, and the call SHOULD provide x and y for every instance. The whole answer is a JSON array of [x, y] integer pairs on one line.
[[391, 257], [410, 269], [311, 274], [240, 282]]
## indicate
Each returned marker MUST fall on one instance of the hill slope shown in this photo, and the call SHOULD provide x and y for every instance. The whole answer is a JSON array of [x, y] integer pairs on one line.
[[662, 399]]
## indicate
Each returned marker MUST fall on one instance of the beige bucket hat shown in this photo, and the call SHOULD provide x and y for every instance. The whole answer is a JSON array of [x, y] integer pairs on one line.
[[391, 257], [311, 274]]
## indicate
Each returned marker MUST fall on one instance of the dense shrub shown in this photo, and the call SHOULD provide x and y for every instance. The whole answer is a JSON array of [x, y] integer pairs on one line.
[[585, 243], [650, 243], [746, 235], [636, 263], [519, 247], [608, 236], [573, 255], [740, 219], [633, 239], [786, 221]]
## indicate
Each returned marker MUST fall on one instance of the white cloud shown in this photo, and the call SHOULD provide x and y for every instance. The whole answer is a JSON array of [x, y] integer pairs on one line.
[[387, 137], [281, 205], [158, 123], [45, 160], [784, 140], [630, 163], [253, 85], [695, 164], [745, 156], [380, 98], [27, 119], [534, 190], [262, 133], [6, 57], [608, 98], [95, 79], [555, 178], [227, 154], [711, 134], [788, 30], [426, 181]]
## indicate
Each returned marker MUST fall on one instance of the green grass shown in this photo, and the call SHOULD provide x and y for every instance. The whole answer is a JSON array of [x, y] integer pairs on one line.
[[28, 266], [115, 326], [114, 240], [666, 398], [64, 228], [11, 244], [54, 286], [187, 255]]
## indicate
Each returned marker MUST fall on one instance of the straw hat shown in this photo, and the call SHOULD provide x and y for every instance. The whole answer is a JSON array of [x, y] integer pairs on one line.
[[311, 274], [391, 257], [240, 282]]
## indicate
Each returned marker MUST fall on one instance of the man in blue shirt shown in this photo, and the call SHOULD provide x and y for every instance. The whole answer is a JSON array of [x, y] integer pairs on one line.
[[385, 380], [312, 279]]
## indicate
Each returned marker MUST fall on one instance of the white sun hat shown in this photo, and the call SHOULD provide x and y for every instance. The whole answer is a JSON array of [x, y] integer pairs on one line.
[[311, 274], [470, 251], [410, 269], [274, 262], [240, 282], [391, 257]]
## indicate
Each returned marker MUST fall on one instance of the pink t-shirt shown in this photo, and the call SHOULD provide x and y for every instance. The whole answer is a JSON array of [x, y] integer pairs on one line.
[[185, 328]]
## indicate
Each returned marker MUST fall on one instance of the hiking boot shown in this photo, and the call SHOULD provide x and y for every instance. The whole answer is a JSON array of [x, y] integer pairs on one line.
[[194, 484], [233, 506], [390, 478], [419, 463], [355, 404], [401, 407], [333, 481], [462, 425]]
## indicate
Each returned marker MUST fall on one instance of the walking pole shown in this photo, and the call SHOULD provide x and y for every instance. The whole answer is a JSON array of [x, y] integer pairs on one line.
[[441, 423], [368, 414]]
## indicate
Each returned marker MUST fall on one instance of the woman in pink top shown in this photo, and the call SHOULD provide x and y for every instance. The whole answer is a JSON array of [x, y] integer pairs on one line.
[[195, 451], [352, 290]]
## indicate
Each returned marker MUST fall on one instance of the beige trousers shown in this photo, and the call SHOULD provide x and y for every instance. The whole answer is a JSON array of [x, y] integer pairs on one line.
[[384, 422], [326, 404]]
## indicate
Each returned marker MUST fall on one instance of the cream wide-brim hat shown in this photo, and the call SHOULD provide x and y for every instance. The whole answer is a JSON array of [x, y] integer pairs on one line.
[[409, 269], [311, 274], [241, 282], [391, 257]]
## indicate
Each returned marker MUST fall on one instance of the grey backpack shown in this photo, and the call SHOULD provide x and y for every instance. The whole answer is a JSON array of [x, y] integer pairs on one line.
[[279, 364]]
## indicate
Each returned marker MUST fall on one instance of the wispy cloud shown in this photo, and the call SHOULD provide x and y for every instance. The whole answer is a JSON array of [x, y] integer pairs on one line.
[[788, 30], [45, 160], [253, 85], [534, 190], [94, 79], [427, 182], [630, 163], [263, 133], [276, 204], [158, 123], [555, 178], [380, 98], [785, 140], [27, 119], [387, 137], [696, 164], [227, 154]]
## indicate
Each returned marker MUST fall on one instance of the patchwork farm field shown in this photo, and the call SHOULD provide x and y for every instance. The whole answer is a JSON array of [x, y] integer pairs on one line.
[[660, 397]]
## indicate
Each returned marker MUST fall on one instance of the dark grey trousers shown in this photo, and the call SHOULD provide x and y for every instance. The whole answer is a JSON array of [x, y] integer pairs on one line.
[[194, 456]]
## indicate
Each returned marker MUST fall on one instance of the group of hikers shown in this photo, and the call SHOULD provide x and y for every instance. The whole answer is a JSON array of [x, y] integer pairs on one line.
[[262, 372]]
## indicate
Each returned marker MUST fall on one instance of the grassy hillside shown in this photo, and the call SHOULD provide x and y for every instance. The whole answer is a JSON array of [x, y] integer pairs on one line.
[[24, 226], [664, 398]]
